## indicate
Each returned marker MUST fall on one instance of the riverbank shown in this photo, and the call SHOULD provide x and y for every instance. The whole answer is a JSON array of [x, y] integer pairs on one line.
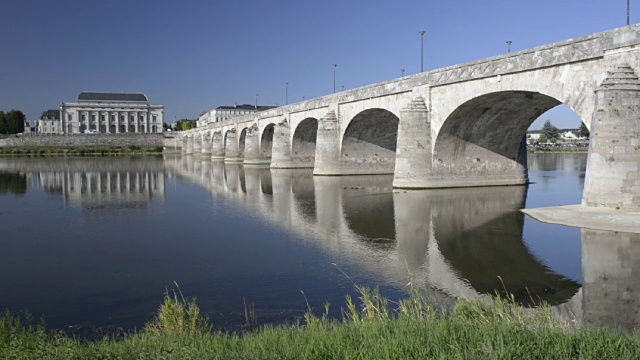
[[375, 329], [81, 151], [550, 150]]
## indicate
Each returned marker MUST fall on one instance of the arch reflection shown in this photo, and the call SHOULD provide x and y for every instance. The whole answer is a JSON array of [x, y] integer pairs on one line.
[[462, 242]]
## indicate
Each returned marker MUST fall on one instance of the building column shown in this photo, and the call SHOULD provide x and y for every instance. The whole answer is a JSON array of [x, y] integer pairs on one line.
[[281, 147], [613, 164], [327, 146], [136, 122], [414, 149]]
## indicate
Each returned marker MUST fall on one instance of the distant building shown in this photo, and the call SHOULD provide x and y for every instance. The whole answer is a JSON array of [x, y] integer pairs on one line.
[[223, 113], [49, 123], [570, 134], [111, 113], [565, 134]]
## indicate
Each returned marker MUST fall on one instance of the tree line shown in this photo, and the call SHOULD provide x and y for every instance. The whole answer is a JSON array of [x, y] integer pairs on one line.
[[11, 122], [551, 133]]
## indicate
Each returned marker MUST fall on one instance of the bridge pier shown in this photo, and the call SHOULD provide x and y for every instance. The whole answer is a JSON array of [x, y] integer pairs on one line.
[[414, 151], [197, 144], [281, 148], [327, 146], [252, 147], [184, 142], [231, 151], [189, 144], [206, 146], [613, 165], [217, 147]]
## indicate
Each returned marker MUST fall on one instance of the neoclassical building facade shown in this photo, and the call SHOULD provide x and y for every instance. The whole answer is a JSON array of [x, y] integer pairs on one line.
[[111, 113]]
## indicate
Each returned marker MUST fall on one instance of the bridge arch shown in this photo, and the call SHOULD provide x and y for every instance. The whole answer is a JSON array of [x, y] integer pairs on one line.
[[266, 141], [303, 143], [483, 140], [242, 142], [369, 143], [231, 146]]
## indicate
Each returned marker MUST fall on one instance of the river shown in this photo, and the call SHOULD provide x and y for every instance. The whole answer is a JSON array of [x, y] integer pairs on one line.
[[91, 244]]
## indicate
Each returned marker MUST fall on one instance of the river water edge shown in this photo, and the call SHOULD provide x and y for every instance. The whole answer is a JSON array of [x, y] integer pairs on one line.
[[92, 243]]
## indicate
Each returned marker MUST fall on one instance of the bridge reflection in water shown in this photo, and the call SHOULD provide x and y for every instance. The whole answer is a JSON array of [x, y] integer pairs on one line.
[[465, 242]]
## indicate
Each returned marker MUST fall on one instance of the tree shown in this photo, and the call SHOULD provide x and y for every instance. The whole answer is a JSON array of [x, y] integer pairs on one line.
[[3, 123], [15, 122], [186, 125], [543, 138], [550, 131], [584, 132]]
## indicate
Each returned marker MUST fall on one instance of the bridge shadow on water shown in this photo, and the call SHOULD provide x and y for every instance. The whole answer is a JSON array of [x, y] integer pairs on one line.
[[465, 242]]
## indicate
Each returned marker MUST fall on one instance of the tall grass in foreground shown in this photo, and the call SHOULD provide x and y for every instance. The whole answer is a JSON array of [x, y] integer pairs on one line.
[[372, 327]]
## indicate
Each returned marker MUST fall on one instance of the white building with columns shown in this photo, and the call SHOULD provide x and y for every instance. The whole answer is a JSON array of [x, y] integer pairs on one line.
[[111, 113]]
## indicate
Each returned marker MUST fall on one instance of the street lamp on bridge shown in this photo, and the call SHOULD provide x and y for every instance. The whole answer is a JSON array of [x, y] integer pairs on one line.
[[421, 51], [509, 46], [334, 77], [402, 71], [286, 93]]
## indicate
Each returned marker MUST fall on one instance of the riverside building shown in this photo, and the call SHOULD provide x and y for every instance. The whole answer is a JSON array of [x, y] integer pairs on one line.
[[223, 113], [111, 113], [49, 123]]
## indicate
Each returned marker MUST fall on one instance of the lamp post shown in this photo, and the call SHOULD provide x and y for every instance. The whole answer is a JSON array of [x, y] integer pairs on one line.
[[342, 87], [421, 51], [256, 101], [402, 70], [509, 46], [334, 77], [286, 93], [302, 97], [628, 10]]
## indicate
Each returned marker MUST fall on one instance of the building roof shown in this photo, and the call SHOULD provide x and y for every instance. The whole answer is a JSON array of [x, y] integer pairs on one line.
[[107, 96], [55, 114], [244, 107]]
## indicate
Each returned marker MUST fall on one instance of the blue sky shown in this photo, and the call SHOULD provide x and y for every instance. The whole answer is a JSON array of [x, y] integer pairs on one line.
[[192, 56]]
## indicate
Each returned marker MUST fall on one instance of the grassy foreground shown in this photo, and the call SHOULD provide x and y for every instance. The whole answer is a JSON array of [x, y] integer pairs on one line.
[[376, 329]]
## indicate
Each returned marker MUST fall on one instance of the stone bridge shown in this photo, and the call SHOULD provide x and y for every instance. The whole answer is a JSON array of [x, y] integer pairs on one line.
[[461, 126]]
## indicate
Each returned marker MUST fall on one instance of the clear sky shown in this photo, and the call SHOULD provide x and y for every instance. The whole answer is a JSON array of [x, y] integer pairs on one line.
[[192, 56]]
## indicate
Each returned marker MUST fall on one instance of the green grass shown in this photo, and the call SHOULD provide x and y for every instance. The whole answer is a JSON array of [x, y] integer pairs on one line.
[[372, 328]]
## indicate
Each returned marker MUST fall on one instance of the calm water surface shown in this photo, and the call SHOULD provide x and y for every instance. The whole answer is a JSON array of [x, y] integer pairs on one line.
[[94, 243]]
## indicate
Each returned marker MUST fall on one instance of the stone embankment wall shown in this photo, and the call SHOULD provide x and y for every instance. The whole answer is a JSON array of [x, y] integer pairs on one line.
[[84, 140]]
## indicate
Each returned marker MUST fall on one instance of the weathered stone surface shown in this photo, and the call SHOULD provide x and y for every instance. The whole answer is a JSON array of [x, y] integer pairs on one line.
[[84, 140], [613, 164], [468, 128]]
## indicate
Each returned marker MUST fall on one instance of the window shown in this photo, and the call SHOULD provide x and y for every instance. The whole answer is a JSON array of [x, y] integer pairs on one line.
[[155, 118], [84, 118], [93, 118], [132, 118], [122, 118]]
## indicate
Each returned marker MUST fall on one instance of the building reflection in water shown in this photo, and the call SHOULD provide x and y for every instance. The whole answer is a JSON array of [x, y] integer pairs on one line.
[[97, 182], [448, 242]]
